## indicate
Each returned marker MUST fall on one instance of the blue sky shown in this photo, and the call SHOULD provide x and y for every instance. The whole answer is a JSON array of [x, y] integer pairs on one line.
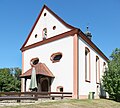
[[18, 16]]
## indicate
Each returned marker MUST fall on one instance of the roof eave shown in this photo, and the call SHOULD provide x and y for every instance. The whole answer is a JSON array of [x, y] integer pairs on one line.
[[68, 33], [88, 41], [72, 32]]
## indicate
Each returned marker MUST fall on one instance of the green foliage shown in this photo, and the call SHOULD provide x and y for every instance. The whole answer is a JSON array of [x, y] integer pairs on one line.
[[111, 78], [9, 79]]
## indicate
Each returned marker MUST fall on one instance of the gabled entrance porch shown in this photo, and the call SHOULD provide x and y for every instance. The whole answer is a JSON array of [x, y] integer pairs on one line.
[[44, 77]]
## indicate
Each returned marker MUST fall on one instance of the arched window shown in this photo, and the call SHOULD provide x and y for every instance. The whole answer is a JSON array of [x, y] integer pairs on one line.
[[97, 70], [44, 33], [87, 64], [56, 57], [104, 67], [60, 89], [34, 61]]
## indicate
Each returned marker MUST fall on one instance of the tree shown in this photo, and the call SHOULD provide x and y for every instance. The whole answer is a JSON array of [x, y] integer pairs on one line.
[[111, 77], [9, 79], [4, 74]]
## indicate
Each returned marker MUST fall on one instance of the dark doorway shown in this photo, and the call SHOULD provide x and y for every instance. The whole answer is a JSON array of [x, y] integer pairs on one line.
[[44, 86]]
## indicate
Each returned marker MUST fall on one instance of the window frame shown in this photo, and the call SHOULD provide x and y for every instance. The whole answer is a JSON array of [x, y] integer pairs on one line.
[[104, 67], [54, 27], [32, 60], [59, 88], [44, 33], [55, 54], [97, 63], [87, 65]]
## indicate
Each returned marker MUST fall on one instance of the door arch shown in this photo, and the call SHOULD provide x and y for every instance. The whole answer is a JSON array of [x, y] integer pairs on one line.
[[44, 85]]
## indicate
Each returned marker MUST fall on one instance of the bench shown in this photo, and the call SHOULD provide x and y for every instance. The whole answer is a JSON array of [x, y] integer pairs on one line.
[[17, 98], [33, 95]]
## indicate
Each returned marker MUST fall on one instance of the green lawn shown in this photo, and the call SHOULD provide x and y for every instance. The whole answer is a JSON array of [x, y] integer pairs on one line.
[[98, 103]]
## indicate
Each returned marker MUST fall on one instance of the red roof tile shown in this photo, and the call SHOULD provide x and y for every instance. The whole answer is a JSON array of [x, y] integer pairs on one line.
[[41, 69]]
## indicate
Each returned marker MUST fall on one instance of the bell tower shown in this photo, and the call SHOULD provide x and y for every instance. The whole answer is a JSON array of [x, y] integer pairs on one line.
[[88, 33]]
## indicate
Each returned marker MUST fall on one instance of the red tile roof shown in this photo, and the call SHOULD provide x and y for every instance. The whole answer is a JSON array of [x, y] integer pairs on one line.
[[41, 69]]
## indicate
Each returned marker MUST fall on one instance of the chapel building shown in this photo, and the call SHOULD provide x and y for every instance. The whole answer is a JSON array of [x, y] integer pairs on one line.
[[65, 58]]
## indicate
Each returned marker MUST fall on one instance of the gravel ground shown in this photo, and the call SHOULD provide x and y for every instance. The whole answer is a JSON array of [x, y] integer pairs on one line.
[[23, 102], [65, 103]]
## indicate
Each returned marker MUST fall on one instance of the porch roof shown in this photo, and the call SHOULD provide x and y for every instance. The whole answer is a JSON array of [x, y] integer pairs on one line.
[[41, 69]]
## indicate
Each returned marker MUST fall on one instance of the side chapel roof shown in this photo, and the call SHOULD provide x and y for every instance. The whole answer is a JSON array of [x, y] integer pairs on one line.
[[41, 69]]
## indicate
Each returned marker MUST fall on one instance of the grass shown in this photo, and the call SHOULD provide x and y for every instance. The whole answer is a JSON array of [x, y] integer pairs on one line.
[[98, 103]]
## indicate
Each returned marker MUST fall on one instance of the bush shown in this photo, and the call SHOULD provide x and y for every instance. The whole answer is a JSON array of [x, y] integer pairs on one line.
[[111, 78]]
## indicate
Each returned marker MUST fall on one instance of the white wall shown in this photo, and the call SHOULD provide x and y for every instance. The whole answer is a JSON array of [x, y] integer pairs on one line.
[[48, 22], [86, 87], [63, 70]]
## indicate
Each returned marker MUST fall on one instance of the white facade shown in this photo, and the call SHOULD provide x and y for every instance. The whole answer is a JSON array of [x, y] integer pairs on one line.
[[59, 69], [69, 71], [92, 86]]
